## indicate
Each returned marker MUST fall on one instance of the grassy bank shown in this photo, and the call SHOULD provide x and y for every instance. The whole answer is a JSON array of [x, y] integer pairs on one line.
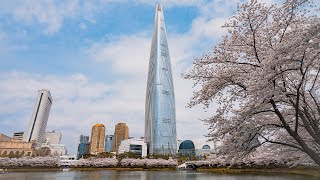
[[310, 171]]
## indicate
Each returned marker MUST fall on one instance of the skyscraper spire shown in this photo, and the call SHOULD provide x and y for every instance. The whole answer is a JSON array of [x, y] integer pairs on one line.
[[159, 8], [160, 118]]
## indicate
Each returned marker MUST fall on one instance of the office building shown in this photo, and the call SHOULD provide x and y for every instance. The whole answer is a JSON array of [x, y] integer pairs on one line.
[[160, 115], [83, 146], [38, 123], [53, 137], [108, 143], [136, 146], [52, 141], [56, 149], [121, 132], [18, 136], [97, 139]]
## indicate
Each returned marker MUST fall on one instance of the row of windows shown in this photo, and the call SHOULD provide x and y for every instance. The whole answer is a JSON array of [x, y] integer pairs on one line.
[[135, 147], [17, 153]]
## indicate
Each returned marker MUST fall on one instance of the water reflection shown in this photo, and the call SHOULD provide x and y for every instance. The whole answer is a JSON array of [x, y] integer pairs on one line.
[[143, 175]]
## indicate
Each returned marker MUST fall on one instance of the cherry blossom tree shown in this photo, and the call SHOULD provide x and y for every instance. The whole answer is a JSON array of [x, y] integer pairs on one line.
[[150, 163], [264, 80], [96, 162], [30, 162]]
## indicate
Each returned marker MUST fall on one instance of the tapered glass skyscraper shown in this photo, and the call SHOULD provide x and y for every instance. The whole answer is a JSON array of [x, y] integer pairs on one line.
[[160, 116]]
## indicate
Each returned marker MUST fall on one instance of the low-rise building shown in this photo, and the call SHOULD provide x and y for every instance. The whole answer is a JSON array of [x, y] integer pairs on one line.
[[56, 149], [4, 138], [196, 147], [137, 146], [16, 148], [66, 161]]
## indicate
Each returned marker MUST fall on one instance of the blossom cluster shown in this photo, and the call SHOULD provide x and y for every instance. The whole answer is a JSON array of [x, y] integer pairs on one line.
[[264, 160], [91, 162], [129, 162], [30, 162], [97, 162]]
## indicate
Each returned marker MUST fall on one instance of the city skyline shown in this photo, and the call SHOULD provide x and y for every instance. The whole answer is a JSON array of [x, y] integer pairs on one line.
[[94, 62]]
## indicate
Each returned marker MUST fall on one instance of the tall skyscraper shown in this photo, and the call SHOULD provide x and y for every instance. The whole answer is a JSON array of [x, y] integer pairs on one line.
[[160, 115], [97, 139], [38, 123], [83, 146], [108, 143], [121, 132]]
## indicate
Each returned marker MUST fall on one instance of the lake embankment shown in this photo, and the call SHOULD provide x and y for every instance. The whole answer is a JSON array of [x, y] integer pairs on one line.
[[300, 170], [309, 171]]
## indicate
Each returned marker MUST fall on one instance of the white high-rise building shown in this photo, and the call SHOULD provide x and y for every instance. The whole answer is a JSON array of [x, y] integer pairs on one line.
[[53, 137], [38, 123]]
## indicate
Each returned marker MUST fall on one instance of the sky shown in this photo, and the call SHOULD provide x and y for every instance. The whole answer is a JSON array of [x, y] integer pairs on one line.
[[93, 57]]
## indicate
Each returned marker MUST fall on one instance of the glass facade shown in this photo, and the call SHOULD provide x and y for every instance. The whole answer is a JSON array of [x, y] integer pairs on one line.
[[160, 118], [108, 143], [83, 146], [136, 148], [187, 148]]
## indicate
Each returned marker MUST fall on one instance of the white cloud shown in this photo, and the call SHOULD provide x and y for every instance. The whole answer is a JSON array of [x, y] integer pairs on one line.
[[52, 14], [46, 12], [126, 54], [209, 27]]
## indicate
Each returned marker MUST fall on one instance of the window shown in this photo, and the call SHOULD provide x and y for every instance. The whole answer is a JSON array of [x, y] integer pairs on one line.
[[135, 147], [166, 120], [165, 92], [163, 54]]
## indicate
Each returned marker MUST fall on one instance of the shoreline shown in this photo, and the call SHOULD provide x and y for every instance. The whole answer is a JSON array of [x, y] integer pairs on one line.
[[307, 171], [49, 169]]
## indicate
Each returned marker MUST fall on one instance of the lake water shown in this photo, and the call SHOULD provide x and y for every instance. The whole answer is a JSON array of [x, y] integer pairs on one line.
[[143, 175]]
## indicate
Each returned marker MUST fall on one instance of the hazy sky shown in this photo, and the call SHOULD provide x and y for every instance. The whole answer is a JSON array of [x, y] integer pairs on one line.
[[93, 57]]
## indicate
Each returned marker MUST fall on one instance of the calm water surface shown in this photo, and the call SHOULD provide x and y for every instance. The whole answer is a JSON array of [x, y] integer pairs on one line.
[[143, 175]]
